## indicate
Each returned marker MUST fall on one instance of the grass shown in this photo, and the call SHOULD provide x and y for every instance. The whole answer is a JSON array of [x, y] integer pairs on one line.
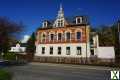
[[5, 75]]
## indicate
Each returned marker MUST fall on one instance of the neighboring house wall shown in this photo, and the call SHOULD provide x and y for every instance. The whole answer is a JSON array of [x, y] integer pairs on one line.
[[17, 48], [106, 53]]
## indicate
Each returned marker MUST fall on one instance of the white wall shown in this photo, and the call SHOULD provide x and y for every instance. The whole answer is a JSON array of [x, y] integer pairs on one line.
[[106, 52], [63, 52], [17, 49]]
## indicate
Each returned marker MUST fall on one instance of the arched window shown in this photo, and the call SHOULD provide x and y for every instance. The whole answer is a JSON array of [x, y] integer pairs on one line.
[[68, 35], [59, 36], [43, 38], [79, 20], [78, 35], [52, 37]]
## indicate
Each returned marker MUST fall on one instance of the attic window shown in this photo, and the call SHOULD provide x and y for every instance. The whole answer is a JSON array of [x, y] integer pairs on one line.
[[78, 20], [60, 23], [45, 24]]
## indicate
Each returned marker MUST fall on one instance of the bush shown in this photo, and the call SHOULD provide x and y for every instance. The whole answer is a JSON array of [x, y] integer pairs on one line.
[[10, 56], [5, 75]]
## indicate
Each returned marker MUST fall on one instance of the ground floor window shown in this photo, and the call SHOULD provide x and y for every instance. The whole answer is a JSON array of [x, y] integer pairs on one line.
[[68, 50], [92, 52], [59, 50], [78, 50], [51, 50], [43, 50]]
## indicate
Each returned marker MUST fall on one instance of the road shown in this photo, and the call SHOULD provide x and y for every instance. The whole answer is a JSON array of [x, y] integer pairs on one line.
[[47, 71]]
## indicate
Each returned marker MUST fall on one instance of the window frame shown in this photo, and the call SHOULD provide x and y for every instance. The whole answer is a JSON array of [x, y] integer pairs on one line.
[[51, 50], [68, 51], [67, 36], [60, 38], [59, 50], [79, 35], [43, 50], [51, 38], [79, 50]]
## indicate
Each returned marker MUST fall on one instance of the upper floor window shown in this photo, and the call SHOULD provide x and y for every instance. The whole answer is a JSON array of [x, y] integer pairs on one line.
[[78, 20], [52, 37], [68, 50], [78, 35], [68, 35], [43, 37], [59, 36], [60, 23]]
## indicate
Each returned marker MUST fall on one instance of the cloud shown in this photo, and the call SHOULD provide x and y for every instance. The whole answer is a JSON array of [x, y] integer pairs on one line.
[[25, 38]]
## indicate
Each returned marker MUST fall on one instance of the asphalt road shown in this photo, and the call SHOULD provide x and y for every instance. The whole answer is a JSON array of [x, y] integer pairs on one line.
[[47, 71]]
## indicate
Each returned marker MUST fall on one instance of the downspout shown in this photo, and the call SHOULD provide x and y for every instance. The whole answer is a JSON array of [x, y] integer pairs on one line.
[[86, 43]]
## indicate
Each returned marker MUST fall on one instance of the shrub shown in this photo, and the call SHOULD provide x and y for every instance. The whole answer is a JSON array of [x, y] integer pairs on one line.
[[10, 56]]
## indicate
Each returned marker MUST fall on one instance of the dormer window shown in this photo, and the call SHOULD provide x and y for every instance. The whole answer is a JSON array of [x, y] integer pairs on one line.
[[79, 20], [45, 24], [60, 23]]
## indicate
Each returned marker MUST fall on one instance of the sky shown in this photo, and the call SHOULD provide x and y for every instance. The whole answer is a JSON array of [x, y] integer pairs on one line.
[[33, 12]]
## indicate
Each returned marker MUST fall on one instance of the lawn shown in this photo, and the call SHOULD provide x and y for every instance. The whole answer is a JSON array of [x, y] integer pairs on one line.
[[5, 75]]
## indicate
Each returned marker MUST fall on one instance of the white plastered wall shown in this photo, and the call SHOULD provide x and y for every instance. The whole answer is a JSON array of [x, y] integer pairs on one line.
[[63, 52]]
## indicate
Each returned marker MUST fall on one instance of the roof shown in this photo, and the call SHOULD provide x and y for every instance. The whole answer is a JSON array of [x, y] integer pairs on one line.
[[70, 20]]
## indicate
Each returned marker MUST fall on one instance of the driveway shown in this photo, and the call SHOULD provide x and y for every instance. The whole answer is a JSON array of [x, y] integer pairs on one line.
[[48, 71]]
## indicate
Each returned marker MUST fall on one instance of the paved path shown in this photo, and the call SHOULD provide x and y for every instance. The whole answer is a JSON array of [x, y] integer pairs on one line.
[[47, 71]]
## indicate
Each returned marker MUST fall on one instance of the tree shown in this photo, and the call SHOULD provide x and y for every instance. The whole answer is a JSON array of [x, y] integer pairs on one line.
[[9, 31], [31, 44], [106, 36]]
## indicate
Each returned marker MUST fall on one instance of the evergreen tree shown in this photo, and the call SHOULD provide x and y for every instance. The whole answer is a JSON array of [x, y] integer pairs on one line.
[[31, 44]]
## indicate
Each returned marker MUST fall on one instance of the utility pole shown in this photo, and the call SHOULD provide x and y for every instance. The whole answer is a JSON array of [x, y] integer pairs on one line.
[[118, 27]]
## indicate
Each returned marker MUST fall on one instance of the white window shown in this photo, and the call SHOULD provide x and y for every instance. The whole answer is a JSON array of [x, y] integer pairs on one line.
[[92, 52], [79, 20], [59, 50], [51, 50], [68, 36], [78, 50], [43, 50], [45, 24], [59, 36], [43, 38], [60, 23], [52, 37], [68, 50], [78, 35]]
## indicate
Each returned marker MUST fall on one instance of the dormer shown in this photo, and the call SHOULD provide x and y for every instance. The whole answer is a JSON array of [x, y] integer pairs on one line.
[[60, 20], [45, 24], [79, 20]]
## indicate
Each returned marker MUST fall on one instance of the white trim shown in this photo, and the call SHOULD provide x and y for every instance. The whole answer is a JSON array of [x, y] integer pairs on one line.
[[42, 36], [51, 32], [70, 34]]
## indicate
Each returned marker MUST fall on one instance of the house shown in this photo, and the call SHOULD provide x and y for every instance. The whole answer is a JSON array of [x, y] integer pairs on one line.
[[67, 41], [18, 48]]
